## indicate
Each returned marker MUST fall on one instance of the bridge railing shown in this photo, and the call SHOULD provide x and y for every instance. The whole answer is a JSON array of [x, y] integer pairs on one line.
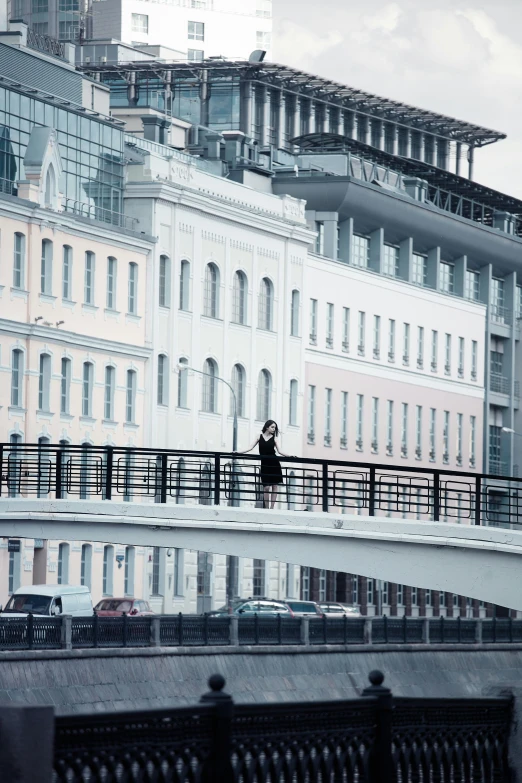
[[216, 478], [49, 633]]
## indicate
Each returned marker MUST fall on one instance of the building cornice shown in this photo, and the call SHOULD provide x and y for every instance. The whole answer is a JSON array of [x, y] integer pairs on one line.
[[72, 339]]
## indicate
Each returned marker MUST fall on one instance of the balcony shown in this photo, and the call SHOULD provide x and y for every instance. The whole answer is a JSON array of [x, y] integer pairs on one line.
[[499, 384], [497, 467], [501, 315]]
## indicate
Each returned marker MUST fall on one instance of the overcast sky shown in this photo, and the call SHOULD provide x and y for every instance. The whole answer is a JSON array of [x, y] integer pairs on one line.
[[455, 57]]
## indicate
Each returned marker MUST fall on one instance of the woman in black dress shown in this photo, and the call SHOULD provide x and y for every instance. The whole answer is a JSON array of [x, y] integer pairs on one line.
[[271, 473]]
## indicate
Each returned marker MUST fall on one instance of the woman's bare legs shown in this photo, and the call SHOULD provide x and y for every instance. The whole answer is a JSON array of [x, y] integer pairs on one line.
[[266, 497], [274, 495]]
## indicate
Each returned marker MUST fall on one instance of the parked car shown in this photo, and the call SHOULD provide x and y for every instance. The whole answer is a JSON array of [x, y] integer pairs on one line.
[[251, 606], [330, 609], [50, 601], [303, 608], [116, 607]]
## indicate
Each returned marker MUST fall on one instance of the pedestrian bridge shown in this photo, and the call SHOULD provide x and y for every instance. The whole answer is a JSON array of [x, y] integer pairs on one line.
[[382, 521]]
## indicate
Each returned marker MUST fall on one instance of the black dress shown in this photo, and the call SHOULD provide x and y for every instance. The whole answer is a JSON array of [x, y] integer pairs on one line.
[[271, 472]]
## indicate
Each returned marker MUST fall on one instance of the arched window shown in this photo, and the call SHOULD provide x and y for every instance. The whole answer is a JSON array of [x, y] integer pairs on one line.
[[209, 402], [130, 397], [110, 382], [63, 564], [211, 301], [44, 382], [132, 304], [184, 285], [86, 565], [294, 316], [108, 570], [164, 281], [292, 417], [46, 268], [17, 375], [266, 304], [130, 557], [163, 380], [87, 383], [238, 384], [182, 384], [239, 298], [264, 394], [50, 187], [19, 261], [111, 283], [67, 261]]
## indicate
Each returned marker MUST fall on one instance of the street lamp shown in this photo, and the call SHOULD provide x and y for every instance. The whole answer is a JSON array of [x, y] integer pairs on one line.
[[181, 367]]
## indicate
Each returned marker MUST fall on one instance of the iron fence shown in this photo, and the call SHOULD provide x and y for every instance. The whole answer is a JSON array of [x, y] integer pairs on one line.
[[214, 478], [375, 738], [35, 633]]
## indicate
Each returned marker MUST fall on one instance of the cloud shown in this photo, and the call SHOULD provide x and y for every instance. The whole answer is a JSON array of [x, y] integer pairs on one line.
[[297, 46]]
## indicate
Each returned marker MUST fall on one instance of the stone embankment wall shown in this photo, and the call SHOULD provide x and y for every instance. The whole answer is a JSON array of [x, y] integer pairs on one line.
[[134, 679]]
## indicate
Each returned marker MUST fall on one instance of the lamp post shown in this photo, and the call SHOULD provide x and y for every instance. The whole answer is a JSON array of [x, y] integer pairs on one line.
[[181, 367]]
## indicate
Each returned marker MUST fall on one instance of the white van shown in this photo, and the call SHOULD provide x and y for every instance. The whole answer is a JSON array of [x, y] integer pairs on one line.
[[50, 601]]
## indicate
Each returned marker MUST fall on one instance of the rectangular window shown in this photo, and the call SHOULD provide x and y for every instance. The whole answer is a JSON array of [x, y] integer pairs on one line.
[[472, 441], [258, 580], [111, 284], [19, 261], [472, 285], [461, 358], [164, 282], [433, 435], [195, 55], [313, 321], [406, 345], [419, 270], [447, 277], [328, 418], [67, 273], [263, 39], [44, 382], [359, 422], [196, 31], [108, 410], [344, 420], [87, 390], [434, 350], [360, 251], [445, 437], [390, 261], [375, 425], [319, 240], [16, 378], [305, 583], [447, 355], [460, 418], [130, 397], [420, 347], [140, 23], [418, 431], [376, 336], [132, 304], [311, 414], [46, 269], [400, 595], [264, 8], [346, 329], [88, 296], [474, 359], [389, 428], [404, 430], [361, 333], [370, 585], [414, 596], [391, 340], [329, 325], [498, 311], [65, 385]]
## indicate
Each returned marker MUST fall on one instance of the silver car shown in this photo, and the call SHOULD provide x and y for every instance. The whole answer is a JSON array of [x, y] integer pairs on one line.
[[330, 609]]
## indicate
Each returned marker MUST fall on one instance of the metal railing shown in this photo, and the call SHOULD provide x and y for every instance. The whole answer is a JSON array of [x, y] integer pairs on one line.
[[54, 633], [44, 43], [216, 478], [93, 212], [499, 383], [376, 738]]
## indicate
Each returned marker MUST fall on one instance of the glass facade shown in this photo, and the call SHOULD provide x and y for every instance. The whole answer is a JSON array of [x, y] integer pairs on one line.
[[91, 151]]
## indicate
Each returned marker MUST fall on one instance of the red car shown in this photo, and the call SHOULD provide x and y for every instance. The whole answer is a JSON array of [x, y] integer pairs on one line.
[[115, 607]]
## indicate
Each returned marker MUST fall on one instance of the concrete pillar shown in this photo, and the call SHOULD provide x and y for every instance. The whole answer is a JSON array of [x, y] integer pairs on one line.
[[297, 117], [330, 222], [155, 636], [504, 221], [416, 188], [281, 121], [305, 631], [421, 146], [426, 631], [246, 108], [395, 150], [266, 116], [434, 268], [380, 134], [368, 630], [311, 117], [478, 631], [376, 249], [66, 632], [406, 259], [234, 630], [471, 161], [27, 742], [408, 143], [345, 240], [457, 158], [460, 266]]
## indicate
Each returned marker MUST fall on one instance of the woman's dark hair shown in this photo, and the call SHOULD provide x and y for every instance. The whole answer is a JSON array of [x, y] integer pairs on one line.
[[267, 424]]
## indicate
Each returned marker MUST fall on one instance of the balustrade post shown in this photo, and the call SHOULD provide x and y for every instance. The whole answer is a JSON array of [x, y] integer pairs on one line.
[[478, 504], [436, 496], [234, 630], [381, 766], [163, 478], [217, 767], [155, 632], [478, 631], [58, 474], [217, 479], [305, 631], [109, 464], [66, 632], [371, 499], [27, 742], [30, 631], [325, 487], [368, 629]]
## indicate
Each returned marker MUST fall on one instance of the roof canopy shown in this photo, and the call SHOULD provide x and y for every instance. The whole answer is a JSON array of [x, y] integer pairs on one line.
[[311, 86]]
